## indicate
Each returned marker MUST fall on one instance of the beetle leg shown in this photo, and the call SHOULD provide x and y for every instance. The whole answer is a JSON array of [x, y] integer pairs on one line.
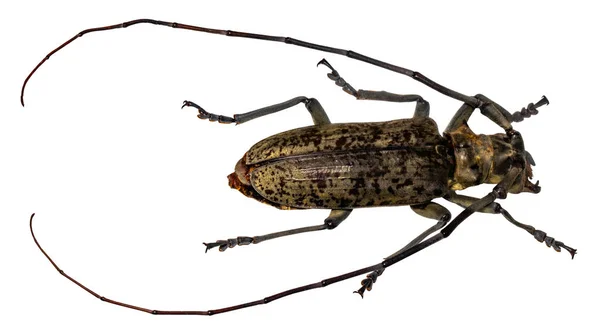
[[312, 105], [331, 222], [494, 112], [538, 234], [421, 109], [495, 208], [500, 191], [518, 116], [460, 117], [430, 210]]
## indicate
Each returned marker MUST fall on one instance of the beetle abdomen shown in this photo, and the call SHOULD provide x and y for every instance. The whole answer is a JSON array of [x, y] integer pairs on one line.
[[353, 179]]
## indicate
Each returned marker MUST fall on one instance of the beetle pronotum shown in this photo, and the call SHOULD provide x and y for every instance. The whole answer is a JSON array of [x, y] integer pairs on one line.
[[353, 165]]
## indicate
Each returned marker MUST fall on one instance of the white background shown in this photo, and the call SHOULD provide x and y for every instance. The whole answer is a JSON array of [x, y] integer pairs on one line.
[[126, 186]]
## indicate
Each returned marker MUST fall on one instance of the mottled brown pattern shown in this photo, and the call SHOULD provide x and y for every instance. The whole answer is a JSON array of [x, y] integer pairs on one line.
[[343, 166], [353, 180], [350, 136]]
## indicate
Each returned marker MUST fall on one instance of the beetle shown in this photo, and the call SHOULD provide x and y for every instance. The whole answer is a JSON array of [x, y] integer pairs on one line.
[[341, 167]]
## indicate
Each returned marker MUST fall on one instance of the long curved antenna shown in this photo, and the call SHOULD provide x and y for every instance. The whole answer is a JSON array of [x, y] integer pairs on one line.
[[498, 191], [349, 53], [266, 300]]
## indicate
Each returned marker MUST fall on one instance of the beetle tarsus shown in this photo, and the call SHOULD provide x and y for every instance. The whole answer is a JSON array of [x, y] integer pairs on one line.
[[202, 114], [543, 101], [339, 81], [221, 243], [229, 243], [539, 235], [360, 292], [367, 283], [325, 63], [553, 243], [529, 111]]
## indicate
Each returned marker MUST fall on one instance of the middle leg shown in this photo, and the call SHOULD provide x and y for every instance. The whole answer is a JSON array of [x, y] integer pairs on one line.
[[421, 109]]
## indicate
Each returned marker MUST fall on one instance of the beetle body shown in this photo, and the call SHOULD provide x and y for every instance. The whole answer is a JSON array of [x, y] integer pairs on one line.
[[345, 166], [354, 165]]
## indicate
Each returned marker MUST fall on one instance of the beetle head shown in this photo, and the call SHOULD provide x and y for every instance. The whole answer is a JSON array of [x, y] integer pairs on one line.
[[488, 158], [509, 151]]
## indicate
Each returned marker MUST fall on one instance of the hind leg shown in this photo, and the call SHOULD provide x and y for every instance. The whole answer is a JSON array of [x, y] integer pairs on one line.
[[429, 210], [335, 218], [312, 105]]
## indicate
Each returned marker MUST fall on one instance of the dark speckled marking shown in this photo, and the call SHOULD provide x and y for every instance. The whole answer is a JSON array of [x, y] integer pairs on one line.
[[344, 166], [414, 132], [364, 179]]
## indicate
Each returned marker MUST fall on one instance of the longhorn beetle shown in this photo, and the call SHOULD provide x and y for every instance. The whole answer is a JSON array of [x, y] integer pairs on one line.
[[354, 165]]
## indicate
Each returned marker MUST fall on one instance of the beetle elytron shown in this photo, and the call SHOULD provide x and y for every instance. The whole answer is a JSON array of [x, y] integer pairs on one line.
[[353, 165]]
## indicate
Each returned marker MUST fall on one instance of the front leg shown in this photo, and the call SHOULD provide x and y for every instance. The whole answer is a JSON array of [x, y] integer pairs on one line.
[[495, 112], [495, 208], [518, 116]]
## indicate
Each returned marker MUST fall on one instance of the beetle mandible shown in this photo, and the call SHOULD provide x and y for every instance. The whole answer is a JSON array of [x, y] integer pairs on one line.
[[354, 165]]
